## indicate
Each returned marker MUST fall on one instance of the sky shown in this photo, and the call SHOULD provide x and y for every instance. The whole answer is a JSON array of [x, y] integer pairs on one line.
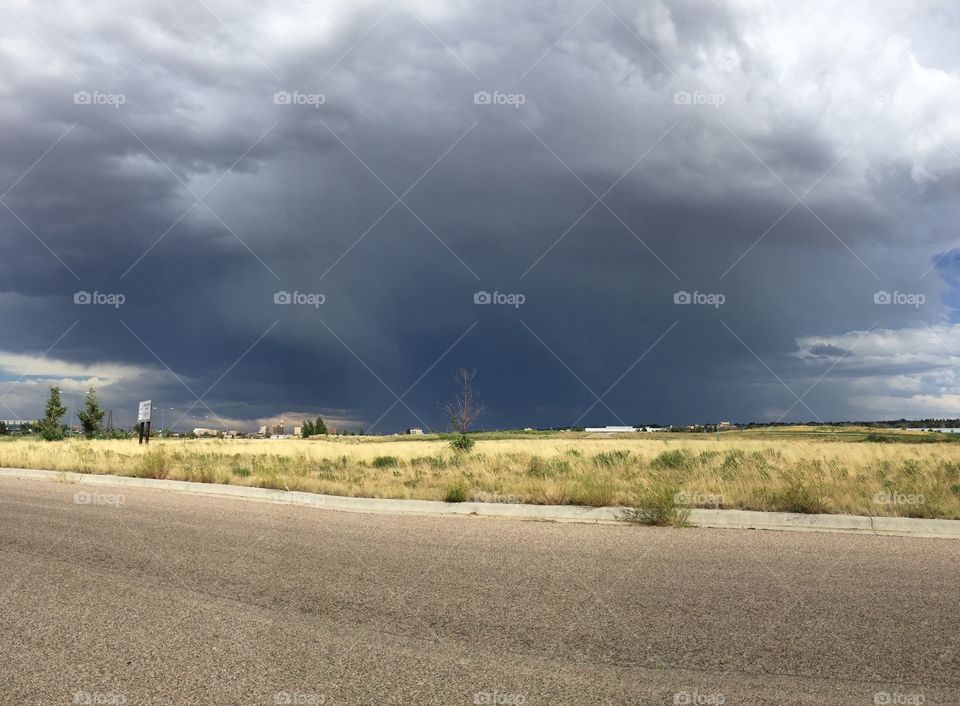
[[614, 212]]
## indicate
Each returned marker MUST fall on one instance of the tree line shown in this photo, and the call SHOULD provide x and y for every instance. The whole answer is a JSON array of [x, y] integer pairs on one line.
[[52, 428], [463, 412]]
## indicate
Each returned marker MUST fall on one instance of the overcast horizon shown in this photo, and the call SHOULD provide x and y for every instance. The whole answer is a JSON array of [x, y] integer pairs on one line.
[[615, 214]]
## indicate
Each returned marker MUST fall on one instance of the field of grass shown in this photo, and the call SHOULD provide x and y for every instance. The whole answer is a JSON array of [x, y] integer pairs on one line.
[[815, 471]]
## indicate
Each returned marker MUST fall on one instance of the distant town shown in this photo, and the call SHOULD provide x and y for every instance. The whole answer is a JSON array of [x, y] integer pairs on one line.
[[287, 430]]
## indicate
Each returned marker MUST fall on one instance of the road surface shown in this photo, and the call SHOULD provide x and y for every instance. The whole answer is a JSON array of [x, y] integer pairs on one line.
[[130, 596]]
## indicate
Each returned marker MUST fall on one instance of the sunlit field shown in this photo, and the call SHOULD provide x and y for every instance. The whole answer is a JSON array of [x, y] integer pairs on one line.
[[794, 470]]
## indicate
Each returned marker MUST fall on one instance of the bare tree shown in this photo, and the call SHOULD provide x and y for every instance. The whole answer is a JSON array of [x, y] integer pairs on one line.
[[465, 409]]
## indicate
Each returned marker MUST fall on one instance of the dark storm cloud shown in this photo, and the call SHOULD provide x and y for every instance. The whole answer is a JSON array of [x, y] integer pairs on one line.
[[685, 196]]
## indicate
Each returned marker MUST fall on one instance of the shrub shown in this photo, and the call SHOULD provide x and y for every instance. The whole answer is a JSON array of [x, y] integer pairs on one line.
[[457, 492], [659, 504], [592, 491], [608, 459], [241, 471], [798, 497], [706, 457], [434, 462], [114, 434], [51, 433], [733, 459], [910, 468], [328, 465], [386, 462], [202, 470], [462, 443], [948, 470], [85, 457], [540, 468], [675, 458], [153, 464]]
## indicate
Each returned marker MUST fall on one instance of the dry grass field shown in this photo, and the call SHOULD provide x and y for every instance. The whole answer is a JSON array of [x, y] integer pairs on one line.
[[795, 470]]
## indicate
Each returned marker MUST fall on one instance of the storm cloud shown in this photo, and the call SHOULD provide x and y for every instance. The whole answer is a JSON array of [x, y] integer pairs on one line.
[[670, 212]]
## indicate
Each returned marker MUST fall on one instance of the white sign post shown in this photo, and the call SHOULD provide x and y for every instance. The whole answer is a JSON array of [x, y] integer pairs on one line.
[[143, 419]]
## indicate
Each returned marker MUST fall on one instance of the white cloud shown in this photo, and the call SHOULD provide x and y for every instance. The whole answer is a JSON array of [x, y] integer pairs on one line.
[[891, 373]]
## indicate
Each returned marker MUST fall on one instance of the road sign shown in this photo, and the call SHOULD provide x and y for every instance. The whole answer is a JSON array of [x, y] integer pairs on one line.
[[146, 407]]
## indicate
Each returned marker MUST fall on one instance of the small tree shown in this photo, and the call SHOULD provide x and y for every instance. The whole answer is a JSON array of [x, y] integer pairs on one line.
[[464, 410], [307, 429], [91, 415], [3, 429], [319, 427], [50, 427]]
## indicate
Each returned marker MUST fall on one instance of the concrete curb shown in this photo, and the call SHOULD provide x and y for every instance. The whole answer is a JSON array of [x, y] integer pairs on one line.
[[721, 519]]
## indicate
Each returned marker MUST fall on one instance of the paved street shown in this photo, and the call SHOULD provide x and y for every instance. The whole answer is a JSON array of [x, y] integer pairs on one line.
[[146, 596]]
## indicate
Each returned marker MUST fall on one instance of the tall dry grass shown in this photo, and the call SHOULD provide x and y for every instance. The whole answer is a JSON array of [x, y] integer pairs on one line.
[[805, 475]]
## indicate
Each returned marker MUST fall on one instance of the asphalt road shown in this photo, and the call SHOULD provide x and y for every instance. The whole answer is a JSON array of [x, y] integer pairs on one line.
[[145, 596]]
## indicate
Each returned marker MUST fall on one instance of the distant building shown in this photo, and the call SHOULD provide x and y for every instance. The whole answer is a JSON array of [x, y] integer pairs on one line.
[[723, 426], [15, 426], [271, 430], [609, 429], [298, 431], [202, 431], [416, 431]]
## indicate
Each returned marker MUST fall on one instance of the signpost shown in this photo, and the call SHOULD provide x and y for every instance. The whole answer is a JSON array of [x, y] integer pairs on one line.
[[143, 419]]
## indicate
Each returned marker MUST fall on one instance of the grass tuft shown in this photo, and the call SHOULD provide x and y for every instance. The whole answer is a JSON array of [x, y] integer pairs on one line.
[[611, 459], [673, 459], [154, 464], [457, 492], [658, 503]]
